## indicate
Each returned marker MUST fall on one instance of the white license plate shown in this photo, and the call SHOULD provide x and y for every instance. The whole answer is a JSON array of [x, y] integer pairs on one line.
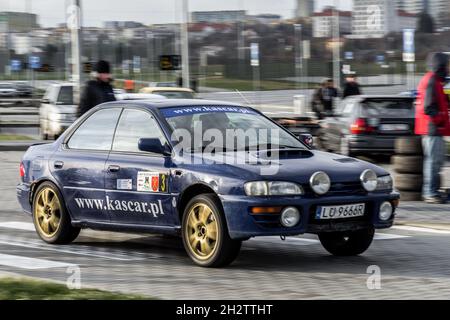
[[340, 212], [394, 127]]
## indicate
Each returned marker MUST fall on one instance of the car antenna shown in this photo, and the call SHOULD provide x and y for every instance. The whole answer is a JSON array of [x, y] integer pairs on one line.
[[244, 98]]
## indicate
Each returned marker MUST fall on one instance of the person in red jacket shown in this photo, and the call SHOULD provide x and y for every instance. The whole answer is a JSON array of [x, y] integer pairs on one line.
[[432, 123]]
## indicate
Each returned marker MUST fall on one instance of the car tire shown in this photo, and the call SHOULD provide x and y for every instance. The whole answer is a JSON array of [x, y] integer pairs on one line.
[[410, 196], [407, 164], [411, 145], [50, 217], [204, 219], [347, 243], [408, 182]]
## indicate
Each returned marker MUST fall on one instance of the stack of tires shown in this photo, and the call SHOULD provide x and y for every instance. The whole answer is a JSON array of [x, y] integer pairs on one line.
[[408, 168]]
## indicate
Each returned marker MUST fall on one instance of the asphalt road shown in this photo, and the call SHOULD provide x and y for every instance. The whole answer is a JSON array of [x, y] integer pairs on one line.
[[413, 261]]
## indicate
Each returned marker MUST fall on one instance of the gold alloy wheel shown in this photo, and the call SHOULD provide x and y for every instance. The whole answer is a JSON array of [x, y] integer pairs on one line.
[[201, 231], [47, 212]]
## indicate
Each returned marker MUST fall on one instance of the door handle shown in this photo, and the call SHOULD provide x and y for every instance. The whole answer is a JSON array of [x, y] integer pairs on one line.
[[58, 164], [113, 168]]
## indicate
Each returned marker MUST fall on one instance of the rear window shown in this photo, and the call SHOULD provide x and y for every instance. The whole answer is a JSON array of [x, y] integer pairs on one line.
[[388, 107]]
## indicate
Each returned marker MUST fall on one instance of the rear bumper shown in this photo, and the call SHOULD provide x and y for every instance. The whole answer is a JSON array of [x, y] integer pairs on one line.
[[23, 196], [242, 224], [372, 144]]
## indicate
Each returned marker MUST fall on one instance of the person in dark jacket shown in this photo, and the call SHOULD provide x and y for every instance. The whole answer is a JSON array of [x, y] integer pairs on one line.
[[329, 93], [433, 124], [351, 87], [97, 91]]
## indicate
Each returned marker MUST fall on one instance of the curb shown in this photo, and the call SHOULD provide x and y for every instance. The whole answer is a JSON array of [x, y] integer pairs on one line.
[[18, 146]]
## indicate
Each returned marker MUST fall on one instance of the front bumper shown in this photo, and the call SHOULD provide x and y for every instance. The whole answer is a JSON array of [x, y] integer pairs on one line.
[[242, 224]]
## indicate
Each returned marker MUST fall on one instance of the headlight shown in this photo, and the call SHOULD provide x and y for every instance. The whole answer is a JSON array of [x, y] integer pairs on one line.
[[384, 183], [369, 180], [272, 188], [320, 182]]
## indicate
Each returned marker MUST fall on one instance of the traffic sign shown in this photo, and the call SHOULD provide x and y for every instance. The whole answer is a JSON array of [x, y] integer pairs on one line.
[[34, 62], [408, 45], [16, 65], [254, 55], [136, 64], [348, 55], [170, 62]]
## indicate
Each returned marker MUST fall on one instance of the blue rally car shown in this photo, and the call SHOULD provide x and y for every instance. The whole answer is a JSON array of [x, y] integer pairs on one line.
[[130, 166]]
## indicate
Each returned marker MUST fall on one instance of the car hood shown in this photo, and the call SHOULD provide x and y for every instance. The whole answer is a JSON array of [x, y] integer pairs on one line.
[[65, 108], [292, 165]]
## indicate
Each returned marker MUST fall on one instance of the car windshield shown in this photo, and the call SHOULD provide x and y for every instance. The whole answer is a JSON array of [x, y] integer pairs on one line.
[[388, 108], [65, 95], [175, 94], [227, 128]]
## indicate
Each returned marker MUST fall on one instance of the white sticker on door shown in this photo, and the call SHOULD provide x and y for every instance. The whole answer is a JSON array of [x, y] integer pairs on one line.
[[124, 184]]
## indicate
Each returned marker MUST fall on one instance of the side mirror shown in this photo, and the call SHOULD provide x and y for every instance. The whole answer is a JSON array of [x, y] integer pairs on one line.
[[47, 101], [307, 139], [153, 145]]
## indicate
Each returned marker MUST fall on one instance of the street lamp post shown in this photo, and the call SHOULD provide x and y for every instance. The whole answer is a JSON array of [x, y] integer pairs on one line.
[[185, 44], [74, 24], [298, 54], [336, 46]]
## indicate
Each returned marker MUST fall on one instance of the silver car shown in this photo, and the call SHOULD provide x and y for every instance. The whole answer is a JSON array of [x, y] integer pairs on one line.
[[57, 111]]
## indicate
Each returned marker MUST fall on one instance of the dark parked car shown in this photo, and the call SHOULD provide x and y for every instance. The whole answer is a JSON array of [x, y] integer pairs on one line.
[[23, 89], [366, 125]]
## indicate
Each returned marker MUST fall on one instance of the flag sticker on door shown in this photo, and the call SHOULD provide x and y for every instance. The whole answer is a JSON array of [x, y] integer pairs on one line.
[[151, 181]]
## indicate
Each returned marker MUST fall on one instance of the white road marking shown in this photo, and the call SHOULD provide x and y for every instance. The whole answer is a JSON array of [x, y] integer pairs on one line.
[[30, 263], [420, 229], [26, 226], [389, 236], [82, 250]]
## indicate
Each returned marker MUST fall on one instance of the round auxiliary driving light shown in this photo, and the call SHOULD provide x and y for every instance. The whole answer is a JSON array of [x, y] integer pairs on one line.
[[369, 180], [385, 211], [320, 182], [290, 217]]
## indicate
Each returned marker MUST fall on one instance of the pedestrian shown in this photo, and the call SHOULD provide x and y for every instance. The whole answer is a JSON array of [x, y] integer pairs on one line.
[[329, 93], [432, 123], [351, 87], [316, 101], [98, 90]]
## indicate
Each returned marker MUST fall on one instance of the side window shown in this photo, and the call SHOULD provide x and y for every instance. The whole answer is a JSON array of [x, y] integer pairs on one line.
[[134, 125], [96, 133]]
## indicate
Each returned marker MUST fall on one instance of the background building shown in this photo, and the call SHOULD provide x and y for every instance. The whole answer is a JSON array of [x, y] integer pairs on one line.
[[323, 22], [373, 18], [435, 8], [224, 16], [17, 22], [305, 8]]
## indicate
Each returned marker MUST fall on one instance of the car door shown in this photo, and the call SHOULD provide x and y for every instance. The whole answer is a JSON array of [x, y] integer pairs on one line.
[[79, 165], [138, 183]]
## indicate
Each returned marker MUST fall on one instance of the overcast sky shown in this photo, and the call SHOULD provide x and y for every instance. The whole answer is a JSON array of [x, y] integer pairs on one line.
[[52, 12]]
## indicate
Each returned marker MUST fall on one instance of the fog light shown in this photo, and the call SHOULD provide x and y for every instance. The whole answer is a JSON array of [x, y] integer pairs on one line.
[[385, 211], [290, 217]]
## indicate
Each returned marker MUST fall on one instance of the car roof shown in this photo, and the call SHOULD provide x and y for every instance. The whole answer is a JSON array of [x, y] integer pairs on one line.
[[175, 89], [386, 96], [171, 103]]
